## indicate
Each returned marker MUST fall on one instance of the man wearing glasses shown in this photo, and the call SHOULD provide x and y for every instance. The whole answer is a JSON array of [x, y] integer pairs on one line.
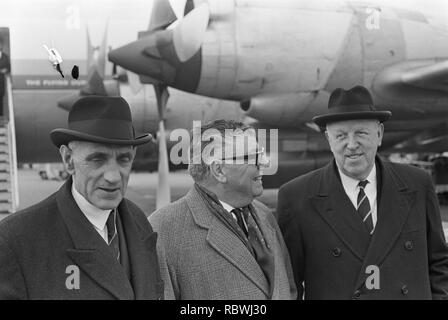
[[217, 242]]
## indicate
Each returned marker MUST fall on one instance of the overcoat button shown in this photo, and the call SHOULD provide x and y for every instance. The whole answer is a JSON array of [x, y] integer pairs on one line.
[[337, 252], [357, 294], [409, 245]]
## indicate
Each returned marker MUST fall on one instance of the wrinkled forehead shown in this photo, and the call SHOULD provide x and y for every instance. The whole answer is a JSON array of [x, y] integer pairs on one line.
[[351, 125], [85, 148]]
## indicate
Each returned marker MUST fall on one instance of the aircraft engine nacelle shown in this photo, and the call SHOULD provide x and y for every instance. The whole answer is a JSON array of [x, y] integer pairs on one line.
[[278, 110]]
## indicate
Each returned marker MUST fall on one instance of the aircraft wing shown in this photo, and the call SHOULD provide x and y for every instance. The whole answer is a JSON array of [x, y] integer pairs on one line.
[[434, 139], [429, 75]]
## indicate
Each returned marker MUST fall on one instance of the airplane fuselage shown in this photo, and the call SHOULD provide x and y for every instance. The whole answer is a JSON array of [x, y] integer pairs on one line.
[[281, 59]]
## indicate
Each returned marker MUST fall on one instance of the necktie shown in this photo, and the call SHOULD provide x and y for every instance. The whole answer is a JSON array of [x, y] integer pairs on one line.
[[260, 250], [112, 236], [241, 219], [364, 209]]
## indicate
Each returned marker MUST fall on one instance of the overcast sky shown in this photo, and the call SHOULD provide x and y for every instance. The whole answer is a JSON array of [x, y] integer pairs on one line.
[[34, 22]]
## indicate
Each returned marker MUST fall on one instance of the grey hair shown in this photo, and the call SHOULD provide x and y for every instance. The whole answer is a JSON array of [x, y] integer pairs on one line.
[[200, 171]]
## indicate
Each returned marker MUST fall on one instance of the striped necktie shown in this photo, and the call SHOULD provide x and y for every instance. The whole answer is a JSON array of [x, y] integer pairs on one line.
[[112, 235], [364, 210]]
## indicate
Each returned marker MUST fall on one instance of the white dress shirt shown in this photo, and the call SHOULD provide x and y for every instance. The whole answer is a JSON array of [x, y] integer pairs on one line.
[[229, 208], [97, 217], [352, 189]]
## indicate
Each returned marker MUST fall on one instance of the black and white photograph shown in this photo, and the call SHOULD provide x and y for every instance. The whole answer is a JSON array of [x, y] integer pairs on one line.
[[235, 151]]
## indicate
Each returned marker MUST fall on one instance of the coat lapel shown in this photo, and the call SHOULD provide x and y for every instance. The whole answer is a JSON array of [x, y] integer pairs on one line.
[[90, 252], [142, 254], [225, 242], [394, 206], [266, 229], [334, 206]]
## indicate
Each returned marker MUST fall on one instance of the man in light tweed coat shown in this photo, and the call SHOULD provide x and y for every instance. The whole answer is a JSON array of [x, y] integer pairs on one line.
[[217, 242]]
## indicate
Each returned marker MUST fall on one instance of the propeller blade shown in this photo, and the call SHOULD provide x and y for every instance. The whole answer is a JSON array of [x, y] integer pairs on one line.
[[90, 50], [162, 96], [96, 56], [163, 188], [162, 15], [189, 6], [189, 34], [134, 82], [178, 7], [101, 64]]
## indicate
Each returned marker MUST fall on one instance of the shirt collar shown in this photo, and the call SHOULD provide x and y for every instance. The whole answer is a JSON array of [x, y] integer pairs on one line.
[[96, 216], [226, 206], [352, 184]]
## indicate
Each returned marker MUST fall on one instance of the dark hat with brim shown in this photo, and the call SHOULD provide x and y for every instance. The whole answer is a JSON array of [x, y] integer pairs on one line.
[[105, 120], [353, 104]]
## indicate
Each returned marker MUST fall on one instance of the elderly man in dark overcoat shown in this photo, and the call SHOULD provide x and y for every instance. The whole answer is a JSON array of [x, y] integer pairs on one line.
[[362, 227], [85, 241]]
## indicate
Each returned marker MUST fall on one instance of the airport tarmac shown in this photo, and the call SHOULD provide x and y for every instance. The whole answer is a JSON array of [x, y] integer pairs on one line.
[[141, 190]]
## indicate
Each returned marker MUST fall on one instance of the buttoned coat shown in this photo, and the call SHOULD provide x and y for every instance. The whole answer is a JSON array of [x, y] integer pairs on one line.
[[201, 258], [333, 256], [42, 247]]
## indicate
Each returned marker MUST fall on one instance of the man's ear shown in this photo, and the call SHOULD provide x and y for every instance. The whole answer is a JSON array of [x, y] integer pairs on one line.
[[326, 135], [380, 133], [67, 158], [216, 170]]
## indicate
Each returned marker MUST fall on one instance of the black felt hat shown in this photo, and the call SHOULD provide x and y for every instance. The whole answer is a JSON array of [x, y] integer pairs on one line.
[[99, 119], [356, 103]]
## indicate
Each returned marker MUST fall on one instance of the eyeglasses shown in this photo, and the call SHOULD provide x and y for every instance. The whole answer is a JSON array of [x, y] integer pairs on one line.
[[259, 158]]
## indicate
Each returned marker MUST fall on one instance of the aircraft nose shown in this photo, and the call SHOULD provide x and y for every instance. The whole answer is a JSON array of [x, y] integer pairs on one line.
[[171, 56], [154, 56], [143, 57]]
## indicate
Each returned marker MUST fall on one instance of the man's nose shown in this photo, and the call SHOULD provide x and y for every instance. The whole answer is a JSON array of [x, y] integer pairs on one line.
[[263, 162], [352, 142], [112, 174]]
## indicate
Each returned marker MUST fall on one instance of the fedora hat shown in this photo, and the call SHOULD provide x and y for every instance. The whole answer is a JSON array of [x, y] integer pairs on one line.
[[356, 103], [99, 119]]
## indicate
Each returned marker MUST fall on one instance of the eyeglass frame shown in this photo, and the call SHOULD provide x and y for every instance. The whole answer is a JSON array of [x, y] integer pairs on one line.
[[261, 152]]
